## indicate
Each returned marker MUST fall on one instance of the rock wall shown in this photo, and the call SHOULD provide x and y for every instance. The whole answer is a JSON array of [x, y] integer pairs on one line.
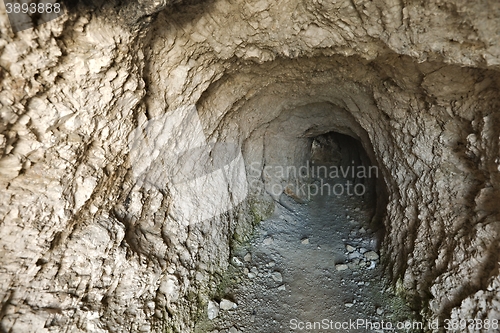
[[86, 247]]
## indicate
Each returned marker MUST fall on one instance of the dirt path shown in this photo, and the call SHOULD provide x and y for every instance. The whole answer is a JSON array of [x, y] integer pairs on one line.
[[298, 271]]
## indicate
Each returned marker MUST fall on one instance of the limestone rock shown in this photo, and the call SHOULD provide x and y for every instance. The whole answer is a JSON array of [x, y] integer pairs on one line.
[[212, 310], [226, 304], [268, 241], [371, 255], [350, 248], [341, 267], [276, 276]]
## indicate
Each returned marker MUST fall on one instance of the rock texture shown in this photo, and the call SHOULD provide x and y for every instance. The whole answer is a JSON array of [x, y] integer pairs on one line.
[[85, 247]]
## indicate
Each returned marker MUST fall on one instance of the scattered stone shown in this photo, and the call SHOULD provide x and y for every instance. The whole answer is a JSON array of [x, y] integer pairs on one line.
[[93, 209], [282, 287], [348, 305], [354, 254], [277, 277], [371, 255], [305, 241], [248, 257], [212, 310], [271, 264], [372, 265], [380, 311], [362, 250], [233, 330], [268, 240], [350, 248], [226, 304], [246, 271], [341, 267], [237, 261], [362, 230], [251, 275], [352, 265], [356, 209]]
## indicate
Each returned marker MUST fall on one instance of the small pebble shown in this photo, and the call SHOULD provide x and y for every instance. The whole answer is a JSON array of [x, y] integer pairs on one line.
[[276, 276], [237, 261], [268, 241], [226, 304], [371, 255], [341, 267]]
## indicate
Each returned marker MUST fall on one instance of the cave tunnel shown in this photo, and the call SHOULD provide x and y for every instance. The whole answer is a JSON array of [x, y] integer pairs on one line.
[[164, 169]]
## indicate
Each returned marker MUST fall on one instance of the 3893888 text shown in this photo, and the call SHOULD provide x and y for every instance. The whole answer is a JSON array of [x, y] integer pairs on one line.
[[32, 8]]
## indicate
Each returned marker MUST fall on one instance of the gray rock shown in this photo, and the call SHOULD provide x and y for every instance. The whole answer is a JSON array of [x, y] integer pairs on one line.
[[341, 267], [371, 255], [212, 310], [276, 276], [268, 241], [226, 304]]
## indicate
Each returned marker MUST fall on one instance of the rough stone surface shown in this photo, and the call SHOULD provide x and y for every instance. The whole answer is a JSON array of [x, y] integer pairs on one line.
[[226, 304], [86, 248]]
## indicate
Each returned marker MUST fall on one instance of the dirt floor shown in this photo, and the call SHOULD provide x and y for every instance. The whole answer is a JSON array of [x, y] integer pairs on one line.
[[311, 267]]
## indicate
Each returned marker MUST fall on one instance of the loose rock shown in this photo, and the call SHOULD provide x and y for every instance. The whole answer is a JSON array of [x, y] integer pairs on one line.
[[350, 248], [371, 255], [226, 304], [212, 310], [276, 276], [341, 267], [268, 241]]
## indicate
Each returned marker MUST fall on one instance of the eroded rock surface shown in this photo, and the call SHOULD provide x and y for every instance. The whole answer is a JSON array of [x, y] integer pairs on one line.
[[85, 247]]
